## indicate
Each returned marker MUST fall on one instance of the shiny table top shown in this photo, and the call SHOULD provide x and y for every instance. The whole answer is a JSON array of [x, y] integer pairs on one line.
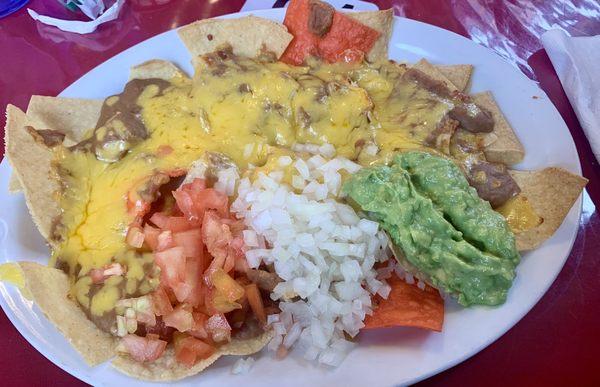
[[557, 343]]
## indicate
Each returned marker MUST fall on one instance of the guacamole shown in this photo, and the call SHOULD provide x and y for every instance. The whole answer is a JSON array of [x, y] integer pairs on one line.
[[445, 231]]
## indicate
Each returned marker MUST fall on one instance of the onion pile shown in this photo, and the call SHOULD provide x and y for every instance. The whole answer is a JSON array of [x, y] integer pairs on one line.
[[320, 248]]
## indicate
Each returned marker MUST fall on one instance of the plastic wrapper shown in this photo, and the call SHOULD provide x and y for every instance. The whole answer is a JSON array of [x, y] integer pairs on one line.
[[510, 28]]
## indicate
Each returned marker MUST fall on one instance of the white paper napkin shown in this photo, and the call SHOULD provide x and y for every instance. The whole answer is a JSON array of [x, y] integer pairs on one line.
[[577, 63], [94, 9]]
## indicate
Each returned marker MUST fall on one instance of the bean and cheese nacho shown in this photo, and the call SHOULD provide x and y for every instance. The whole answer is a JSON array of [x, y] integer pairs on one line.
[[297, 188]]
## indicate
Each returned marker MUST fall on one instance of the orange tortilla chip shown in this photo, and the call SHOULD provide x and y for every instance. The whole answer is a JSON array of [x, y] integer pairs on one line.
[[408, 306], [347, 39]]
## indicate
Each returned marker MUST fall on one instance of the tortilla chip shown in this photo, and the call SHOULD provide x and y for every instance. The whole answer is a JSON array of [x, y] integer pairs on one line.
[[347, 39], [459, 75], [49, 290], [506, 149], [248, 36], [156, 68], [551, 192], [382, 22], [72, 116], [424, 66], [31, 162], [166, 368], [13, 184], [408, 306]]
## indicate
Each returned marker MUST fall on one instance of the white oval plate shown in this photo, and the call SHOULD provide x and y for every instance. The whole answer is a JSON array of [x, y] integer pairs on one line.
[[381, 358]]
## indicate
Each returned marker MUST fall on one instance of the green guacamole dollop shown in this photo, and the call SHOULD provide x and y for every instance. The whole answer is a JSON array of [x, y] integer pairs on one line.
[[450, 236]]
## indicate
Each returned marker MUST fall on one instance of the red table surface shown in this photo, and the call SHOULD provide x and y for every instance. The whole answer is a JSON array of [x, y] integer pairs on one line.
[[557, 343]]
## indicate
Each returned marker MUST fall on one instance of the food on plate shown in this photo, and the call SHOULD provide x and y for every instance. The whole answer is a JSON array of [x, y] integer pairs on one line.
[[406, 305], [443, 231], [299, 188]]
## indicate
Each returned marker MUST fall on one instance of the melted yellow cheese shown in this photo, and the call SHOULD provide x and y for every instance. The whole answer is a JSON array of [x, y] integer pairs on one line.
[[252, 112], [106, 298], [11, 272], [519, 214]]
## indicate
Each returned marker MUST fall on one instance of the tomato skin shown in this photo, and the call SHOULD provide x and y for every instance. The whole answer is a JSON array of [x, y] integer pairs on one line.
[[159, 219], [172, 265], [193, 274], [194, 202], [182, 291], [144, 349], [227, 286], [190, 240], [151, 236], [160, 302], [165, 240], [180, 318], [199, 327], [189, 350], [179, 223], [218, 328]]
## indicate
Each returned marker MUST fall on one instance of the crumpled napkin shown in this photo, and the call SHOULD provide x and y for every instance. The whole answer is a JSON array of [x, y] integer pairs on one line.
[[577, 63], [94, 9]]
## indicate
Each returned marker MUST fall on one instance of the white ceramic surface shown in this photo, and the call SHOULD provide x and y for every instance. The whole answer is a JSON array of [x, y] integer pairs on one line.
[[381, 358]]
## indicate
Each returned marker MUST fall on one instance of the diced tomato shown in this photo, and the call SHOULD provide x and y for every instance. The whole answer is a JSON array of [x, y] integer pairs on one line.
[[229, 263], [227, 286], [185, 355], [144, 349], [165, 240], [211, 199], [189, 350], [220, 304], [216, 235], [194, 201], [216, 264], [135, 237], [180, 318], [182, 291], [193, 272], [191, 241], [185, 203], [199, 327], [160, 302], [197, 185], [159, 219], [241, 265], [179, 223], [218, 328], [151, 236], [256, 303], [172, 265]]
